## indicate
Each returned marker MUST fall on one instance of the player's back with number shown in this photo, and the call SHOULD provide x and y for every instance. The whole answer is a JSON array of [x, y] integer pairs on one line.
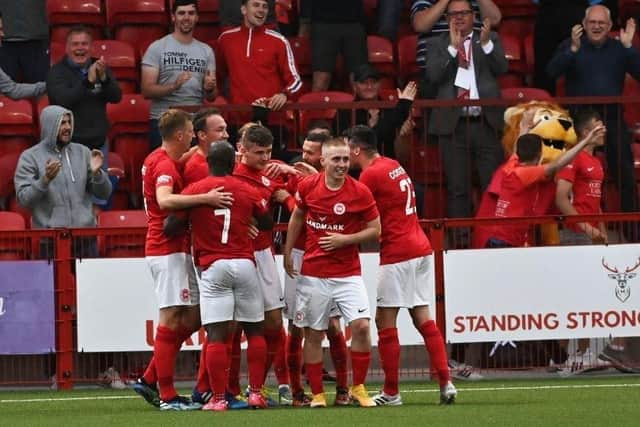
[[224, 233], [402, 237]]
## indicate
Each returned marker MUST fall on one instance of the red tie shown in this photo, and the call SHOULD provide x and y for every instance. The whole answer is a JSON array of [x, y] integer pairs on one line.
[[463, 61]]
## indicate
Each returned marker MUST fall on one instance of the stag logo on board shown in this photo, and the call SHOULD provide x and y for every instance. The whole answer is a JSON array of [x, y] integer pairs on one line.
[[623, 289]]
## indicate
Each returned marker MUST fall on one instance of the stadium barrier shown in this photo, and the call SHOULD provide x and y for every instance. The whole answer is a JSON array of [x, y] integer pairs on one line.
[[522, 304]]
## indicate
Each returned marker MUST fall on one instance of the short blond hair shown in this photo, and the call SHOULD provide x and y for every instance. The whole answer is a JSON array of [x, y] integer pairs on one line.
[[171, 121], [334, 142]]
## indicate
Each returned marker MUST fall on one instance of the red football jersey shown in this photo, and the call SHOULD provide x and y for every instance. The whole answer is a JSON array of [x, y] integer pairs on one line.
[[160, 170], [265, 187], [195, 169], [586, 174], [487, 207], [224, 233], [342, 211], [519, 196], [402, 237]]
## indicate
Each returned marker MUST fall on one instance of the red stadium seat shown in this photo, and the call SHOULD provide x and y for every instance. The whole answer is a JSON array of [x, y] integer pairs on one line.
[[516, 8], [64, 14], [407, 67], [17, 130], [14, 206], [301, 47], [381, 57], [8, 163], [208, 19], [529, 54], [121, 58], [518, 26], [137, 21], [388, 94], [513, 52], [328, 114], [510, 80], [425, 166], [13, 248], [122, 245], [129, 138], [525, 94]]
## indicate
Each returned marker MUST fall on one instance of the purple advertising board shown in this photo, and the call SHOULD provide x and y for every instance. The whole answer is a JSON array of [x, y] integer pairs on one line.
[[27, 319]]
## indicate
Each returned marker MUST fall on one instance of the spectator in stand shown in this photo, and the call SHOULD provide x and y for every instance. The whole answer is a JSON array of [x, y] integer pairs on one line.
[[24, 55], [595, 64], [56, 179], [429, 20], [464, 64], [84, 85], [177, 69], [389, 13], [231, 16], [14, 90], [554, 20], [385, 122], [266, 69], [336, 26]]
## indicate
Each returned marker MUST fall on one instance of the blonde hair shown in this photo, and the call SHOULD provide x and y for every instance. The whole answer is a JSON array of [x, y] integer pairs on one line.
[[172, 121]]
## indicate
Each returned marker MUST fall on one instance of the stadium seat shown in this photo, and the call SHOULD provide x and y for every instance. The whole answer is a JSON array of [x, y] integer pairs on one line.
[[306, 115], [425, 164], [388, 94], [301, 47], [57, 51], [208, 27], [121, 58], [525, 94], [13, 248], [8, 163], [381, 57], [137, 21], [64, 14], [516, 8], [518, 26], [529, 54], [407, 67], [129, 138], [122, 245], [17, 130], [513, 52]]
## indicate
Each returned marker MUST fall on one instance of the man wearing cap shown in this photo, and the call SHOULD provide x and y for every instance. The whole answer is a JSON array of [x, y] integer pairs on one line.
[[464, 64], [384, 122]]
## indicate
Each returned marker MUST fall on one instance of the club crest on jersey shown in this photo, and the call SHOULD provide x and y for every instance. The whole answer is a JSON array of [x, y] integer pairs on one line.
[[299, 316], [339, 209], [164, 179], [265, 181], [184, 295]]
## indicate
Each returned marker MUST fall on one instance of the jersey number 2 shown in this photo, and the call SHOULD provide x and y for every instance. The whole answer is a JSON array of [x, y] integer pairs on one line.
[[227, 223], [407, 187]]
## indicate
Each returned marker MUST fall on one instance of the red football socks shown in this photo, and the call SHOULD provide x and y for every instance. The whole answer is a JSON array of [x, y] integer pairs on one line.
[[338, 350], [164, 353], [235, 352], [314, 375], [256, 359], [274, 342], [294, 360], [359, 366], [437, 352], [280, 360], [217, 361], [202, 380], [389, 349]]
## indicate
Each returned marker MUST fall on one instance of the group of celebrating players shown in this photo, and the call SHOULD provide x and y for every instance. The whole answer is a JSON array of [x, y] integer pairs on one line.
[[212, 207]]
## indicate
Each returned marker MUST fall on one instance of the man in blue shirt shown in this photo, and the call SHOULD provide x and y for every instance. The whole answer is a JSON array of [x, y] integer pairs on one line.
[[595, 64]]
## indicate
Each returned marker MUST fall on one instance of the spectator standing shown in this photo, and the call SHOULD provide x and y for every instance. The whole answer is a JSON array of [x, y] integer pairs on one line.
[[177, 69], [464, 64], [24, 55], [595, 64], [13, 90], [84, 85], [428, 18], [336, 26], [56, 178]]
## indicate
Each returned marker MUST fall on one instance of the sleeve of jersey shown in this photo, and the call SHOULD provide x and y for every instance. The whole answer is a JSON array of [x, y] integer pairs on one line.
[[300, 197], [165, 176], [567, 173], [530, 175], [290, 72]]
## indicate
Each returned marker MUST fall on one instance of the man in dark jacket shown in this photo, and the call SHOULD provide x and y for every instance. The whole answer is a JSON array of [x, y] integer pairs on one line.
[[84, 85]]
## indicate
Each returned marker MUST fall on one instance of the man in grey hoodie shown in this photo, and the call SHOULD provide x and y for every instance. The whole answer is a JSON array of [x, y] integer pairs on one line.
[[57, 178]]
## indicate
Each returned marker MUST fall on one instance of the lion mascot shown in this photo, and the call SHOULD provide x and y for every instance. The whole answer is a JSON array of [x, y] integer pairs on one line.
[[555, 126]]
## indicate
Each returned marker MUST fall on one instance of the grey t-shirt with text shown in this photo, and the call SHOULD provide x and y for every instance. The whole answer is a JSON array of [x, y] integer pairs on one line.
[[171, 58]]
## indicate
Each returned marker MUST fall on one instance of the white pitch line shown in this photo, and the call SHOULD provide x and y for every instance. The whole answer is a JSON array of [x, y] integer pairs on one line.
[[434, 390]]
